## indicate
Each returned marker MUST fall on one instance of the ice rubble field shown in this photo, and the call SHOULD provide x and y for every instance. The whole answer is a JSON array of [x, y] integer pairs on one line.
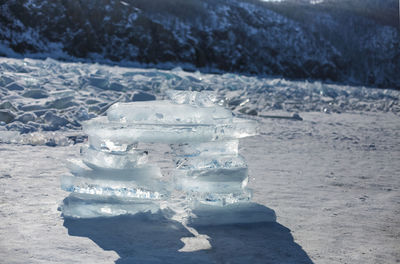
[[332, 180], [52, 96]]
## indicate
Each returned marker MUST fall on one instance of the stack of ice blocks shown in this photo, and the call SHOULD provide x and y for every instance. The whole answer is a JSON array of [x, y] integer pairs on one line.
[[115, 178]]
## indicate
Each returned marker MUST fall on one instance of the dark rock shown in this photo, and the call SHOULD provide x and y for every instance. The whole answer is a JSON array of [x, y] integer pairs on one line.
[[296, 116], [6, 116], [142, 96]]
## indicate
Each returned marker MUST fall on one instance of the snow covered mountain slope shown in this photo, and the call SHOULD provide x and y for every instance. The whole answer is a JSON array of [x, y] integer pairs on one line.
[[354, 42]]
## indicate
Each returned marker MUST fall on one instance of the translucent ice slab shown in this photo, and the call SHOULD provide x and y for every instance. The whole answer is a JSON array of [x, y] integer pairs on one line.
[[90, 206], [118, 137], [143, 189], [213, 180], [166, 112], [96, 159], [142, 172], [211, 162], [226, 147], [219, 199]]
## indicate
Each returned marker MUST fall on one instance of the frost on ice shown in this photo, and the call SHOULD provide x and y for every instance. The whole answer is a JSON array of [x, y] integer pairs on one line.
[[115, 176]]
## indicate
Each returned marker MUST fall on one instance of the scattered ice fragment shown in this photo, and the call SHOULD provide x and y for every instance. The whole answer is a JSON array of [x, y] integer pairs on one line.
[[8, 106], [35, 94], [98, 81], [6, 116], [142, 96], [26, 117], [204, 99], [15, 87], [54, 121]]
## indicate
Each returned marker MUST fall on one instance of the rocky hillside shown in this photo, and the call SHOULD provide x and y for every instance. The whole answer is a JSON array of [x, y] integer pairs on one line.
[[341, 41]]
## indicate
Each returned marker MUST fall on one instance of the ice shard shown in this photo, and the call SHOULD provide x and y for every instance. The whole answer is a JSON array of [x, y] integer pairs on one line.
[[115, 177]]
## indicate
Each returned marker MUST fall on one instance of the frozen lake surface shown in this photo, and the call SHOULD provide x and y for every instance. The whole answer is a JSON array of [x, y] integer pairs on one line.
[[332, 180]]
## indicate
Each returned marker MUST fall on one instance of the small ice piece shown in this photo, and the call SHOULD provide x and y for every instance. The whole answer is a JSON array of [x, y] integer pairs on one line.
[[210, 162], [96, 159], [166, 112], [78, 205], [225, 147], [204, 98], [241, 128], [113, 136]]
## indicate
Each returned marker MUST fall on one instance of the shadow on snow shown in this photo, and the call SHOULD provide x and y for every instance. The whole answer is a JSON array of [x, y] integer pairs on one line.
[[145, 238]]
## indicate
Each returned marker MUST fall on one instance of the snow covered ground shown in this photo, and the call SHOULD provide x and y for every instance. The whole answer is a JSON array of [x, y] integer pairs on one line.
[[332, 180]]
